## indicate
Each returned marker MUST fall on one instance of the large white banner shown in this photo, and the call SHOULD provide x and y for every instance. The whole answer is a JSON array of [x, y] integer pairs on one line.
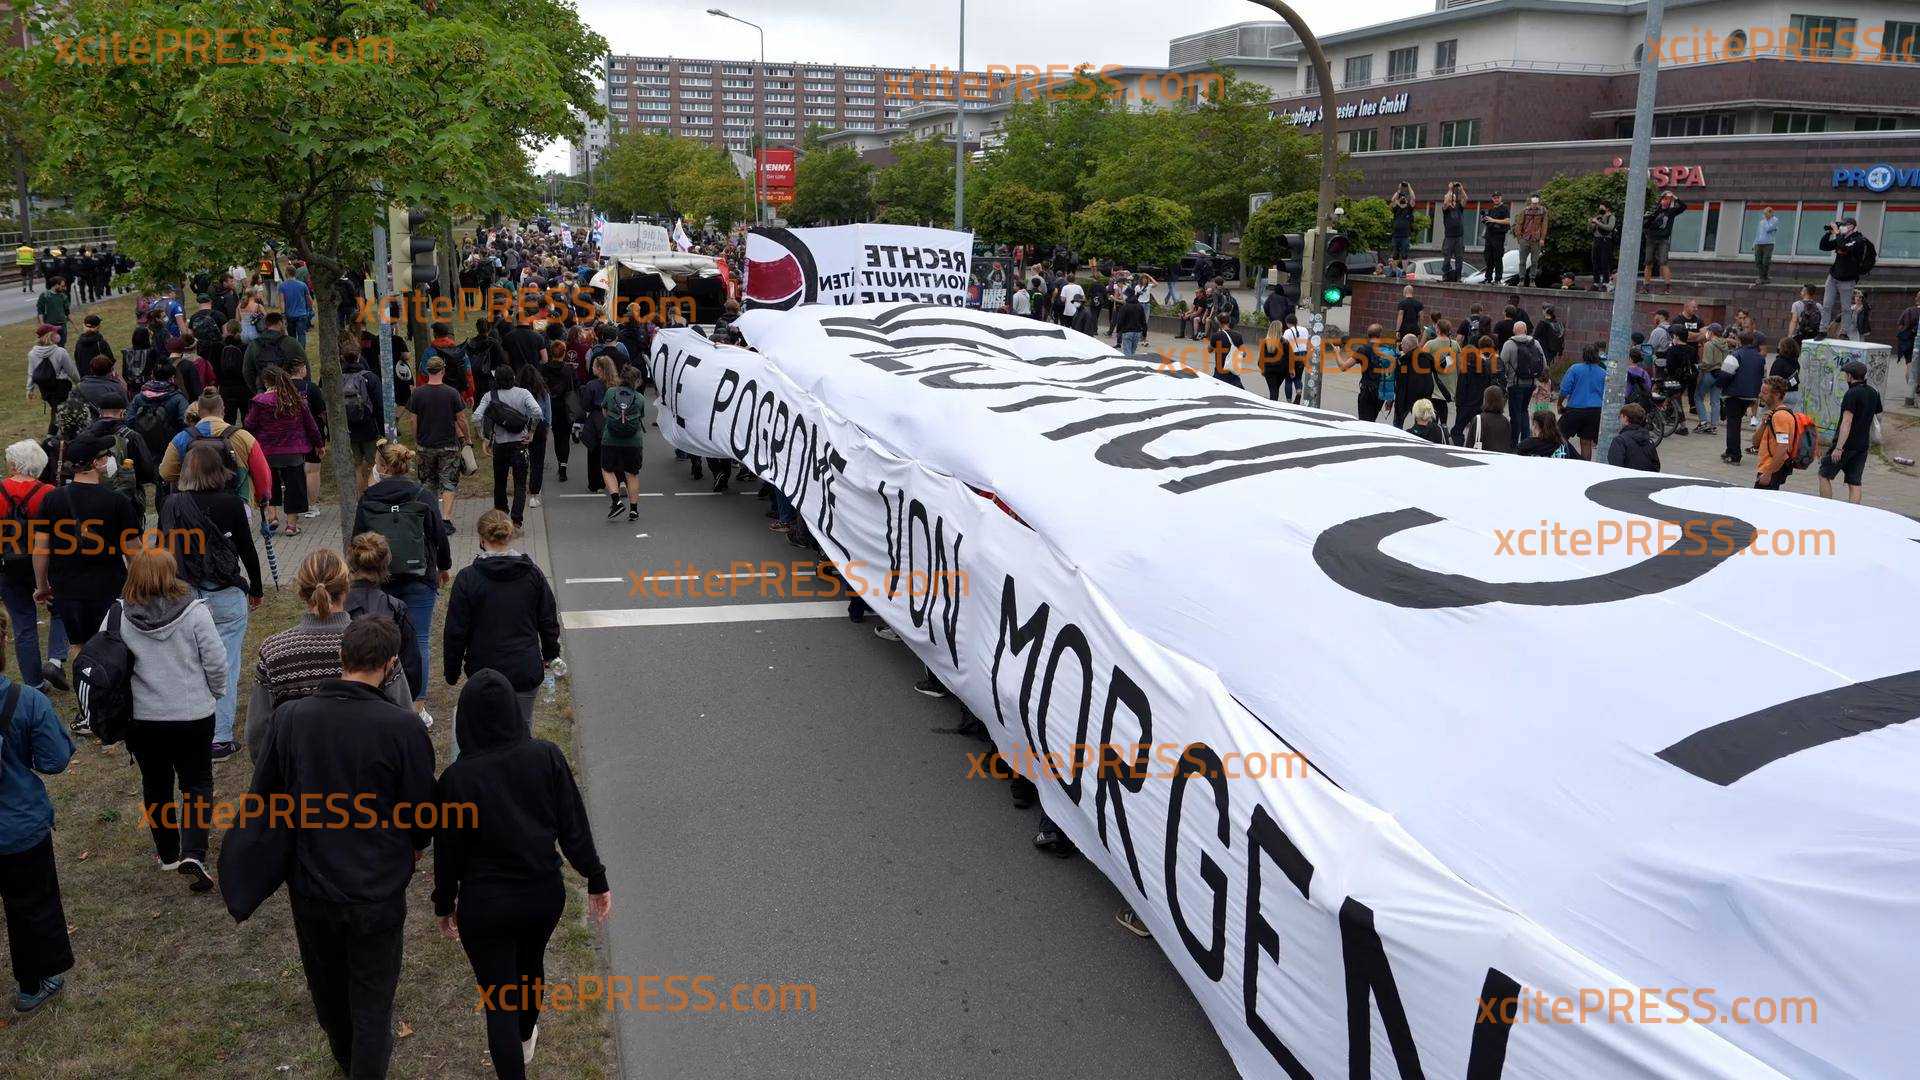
[[1591, 813], [856, 264], [633, 238]]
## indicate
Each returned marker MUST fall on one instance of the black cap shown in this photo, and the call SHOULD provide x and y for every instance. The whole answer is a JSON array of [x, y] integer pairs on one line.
[[111, 401], [1855, 368], [89, 449]]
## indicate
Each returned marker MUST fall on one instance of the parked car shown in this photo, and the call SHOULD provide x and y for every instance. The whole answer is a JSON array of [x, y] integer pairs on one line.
[[1433, 269], [1225, 267]]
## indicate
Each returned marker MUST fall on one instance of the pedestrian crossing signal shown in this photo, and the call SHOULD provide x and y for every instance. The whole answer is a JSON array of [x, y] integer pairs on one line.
[[1334, 287]]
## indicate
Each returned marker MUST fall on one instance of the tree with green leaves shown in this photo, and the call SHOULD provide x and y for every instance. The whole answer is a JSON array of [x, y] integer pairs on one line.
[[917, 188], [1370, 220], [1050, 144], [1571, 202], [672, 177], [1015, 214], [199, 163], [831, 186], [1137, 231]]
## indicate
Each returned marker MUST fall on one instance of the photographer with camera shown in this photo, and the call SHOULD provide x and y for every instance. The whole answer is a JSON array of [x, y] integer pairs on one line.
[[1853, 258]]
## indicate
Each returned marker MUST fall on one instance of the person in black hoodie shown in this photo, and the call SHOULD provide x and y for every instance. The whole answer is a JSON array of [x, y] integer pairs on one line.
[[501, 615], [230, 369], [497, 887], [344, 744], [91, 343]]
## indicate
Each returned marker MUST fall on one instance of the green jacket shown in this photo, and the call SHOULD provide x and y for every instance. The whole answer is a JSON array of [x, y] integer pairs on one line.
[[52, 307], [272, 346]]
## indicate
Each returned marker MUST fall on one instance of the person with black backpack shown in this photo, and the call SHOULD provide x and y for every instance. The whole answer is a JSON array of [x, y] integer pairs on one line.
[[273, 346], [623, 417], [207, 526], [22, 498], [1854, 257], [1525, 362], [80, 578], [369, 561], [419, 558], [32, 740], [507, 415], [230, 371], [51, 373], [158, 411]]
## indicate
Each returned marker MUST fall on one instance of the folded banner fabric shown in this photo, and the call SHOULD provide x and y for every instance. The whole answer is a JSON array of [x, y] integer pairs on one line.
[[856, 264], [1414, 762]]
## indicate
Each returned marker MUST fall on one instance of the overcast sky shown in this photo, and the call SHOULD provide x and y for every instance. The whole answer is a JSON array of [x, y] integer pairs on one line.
[[916, 33]]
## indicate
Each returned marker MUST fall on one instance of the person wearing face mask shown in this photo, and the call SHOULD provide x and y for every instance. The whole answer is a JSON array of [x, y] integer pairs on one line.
[[1852, 258], [1658, 233], [1532, 231]]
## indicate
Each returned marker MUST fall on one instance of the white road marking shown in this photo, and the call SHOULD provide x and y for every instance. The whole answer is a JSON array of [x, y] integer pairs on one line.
[[594, 580], [799, 572], [689, 616]]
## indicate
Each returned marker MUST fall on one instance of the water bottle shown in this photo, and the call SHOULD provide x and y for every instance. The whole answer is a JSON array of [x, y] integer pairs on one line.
[[550, 690], [558, 669]]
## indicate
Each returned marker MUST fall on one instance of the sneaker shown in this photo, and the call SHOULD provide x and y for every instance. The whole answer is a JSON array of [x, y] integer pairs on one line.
[[931, 687], [426, 719], [1753, 423], [55, 673], [533, 501], [720, 484], [1130, 922], [24, 1002], [224, 750], [1910, 403], [164, 865], [780, 527], [1681, 430], [563, 474], [698, 472], [311, 514], [885, 633], [195, 871], [527, 1047], [82, 726], [1053, 842], [613, 509], [633, 511]]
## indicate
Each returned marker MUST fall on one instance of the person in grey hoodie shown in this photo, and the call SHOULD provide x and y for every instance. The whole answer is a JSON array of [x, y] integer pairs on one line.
[[51, 373], [179, 672]]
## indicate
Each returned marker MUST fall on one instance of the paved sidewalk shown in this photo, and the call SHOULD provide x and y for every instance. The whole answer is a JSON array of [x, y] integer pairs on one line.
[[324, 531]]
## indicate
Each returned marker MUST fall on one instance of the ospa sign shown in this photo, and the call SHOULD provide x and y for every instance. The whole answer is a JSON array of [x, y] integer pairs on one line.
[[1876, 179]]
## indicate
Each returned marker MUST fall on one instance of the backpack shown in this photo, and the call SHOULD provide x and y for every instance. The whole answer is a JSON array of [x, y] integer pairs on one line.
[[222, 444], [205, 325], [404, 525], [506, 417], [124, 481], [1869, 256], [103, 682], [1806, 439], [354, 390], [43, 369], [153, 422], [1550, 337], [134, 364], [212, 563], [19, 553], [625, 411], [1808, 325], [233, 366], [6, 716]]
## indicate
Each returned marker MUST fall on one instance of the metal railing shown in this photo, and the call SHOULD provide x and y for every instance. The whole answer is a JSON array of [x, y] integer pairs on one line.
[[85, 235]]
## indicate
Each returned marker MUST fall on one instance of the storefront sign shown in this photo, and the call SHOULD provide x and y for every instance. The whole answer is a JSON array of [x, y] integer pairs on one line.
[[1667, 176], [1306, 116], [1877, 179]]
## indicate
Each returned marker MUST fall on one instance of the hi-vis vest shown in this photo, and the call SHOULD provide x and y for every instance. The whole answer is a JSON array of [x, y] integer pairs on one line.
[[23, 255]]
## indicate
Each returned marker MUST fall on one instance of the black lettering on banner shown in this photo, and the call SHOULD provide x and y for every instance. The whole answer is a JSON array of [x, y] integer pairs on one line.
[[724, 392], [921, 562], [1116, 774], [1487, 1057], [827, 465], [762, 434], [670, 375], [1199, 759], [1734, 749], [1266, 840], [1420, 450], [1018, 637], [1370, 977], [785, 420], [1070, 639], [1350, 554]]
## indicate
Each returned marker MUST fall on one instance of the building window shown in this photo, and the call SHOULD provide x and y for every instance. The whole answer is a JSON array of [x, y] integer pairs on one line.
[[1876, 123], [1460, 132], [1736, 44], [1445, 55], [1798, 123], [1900, 42], [1313, 78], [1672, 127], [1900, 236], [1359, 70], [1814, 218], [1408, 137], [1403, 63], [1362, 142], [1820, 35], [1789, 218]]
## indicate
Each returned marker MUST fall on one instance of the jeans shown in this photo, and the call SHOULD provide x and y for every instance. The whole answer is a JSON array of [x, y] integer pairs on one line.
[[351, 953], [1129, 342], [783, 511], [297, 326], [1519, 404], [36, 923], [24, 614], [229, 610], [1839, 297], [510, 458], [1529, 260], [166, 750], [537, 459], [1495, 272], [419, 597], [1763, 261], [1453, 250], [1706, 400], [504, 932], [1736, 410]]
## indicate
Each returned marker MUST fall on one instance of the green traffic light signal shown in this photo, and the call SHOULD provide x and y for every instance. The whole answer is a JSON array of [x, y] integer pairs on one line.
[[1333, 295]]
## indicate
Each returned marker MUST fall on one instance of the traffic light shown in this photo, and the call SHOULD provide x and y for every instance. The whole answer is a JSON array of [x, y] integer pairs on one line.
[[1293, 250], [413, 261], [1334, 288]]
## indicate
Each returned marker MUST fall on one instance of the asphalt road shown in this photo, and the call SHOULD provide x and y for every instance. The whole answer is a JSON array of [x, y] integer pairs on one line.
[[776, 805]]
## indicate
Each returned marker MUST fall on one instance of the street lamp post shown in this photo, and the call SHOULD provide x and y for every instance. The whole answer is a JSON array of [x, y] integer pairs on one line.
[[1632, 220], [760, 119], [960, 129], [1310, 291]]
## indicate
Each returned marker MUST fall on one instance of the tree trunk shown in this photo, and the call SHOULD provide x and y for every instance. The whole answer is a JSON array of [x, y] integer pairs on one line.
[[324, 281]]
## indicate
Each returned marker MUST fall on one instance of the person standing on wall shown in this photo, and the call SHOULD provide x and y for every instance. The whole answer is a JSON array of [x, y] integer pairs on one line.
[[1606, 245], [1453, 235], [1658, 235], [1765, 234], [1533, 239]]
